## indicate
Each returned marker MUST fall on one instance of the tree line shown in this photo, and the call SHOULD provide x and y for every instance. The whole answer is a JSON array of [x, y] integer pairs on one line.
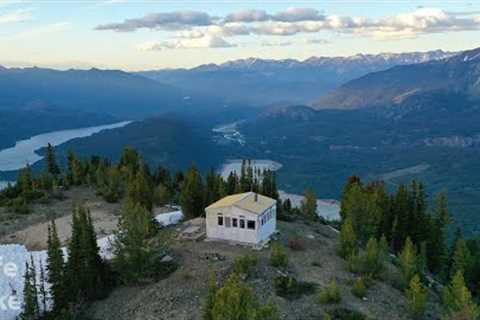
[[376, 222], [132, 177]]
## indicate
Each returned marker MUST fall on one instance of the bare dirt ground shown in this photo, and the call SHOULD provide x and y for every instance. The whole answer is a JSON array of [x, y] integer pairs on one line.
[[31, 229], [180, 296]]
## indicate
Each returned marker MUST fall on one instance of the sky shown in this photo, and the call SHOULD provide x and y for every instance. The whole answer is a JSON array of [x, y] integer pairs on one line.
[[141, 35]]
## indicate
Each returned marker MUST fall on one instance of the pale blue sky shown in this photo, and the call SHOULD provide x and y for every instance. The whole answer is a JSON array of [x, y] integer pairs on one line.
[[136, 35]]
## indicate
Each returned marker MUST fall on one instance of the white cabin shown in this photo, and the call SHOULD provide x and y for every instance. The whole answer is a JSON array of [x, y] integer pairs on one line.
[[245, 218]]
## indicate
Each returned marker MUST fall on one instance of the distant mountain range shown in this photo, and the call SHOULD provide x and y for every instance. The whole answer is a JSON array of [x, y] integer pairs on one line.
[[263, 82], [113, 92], [399, 85]]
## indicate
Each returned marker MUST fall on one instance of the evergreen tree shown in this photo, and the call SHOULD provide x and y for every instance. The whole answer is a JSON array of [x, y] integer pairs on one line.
[[437, 243], [42, 290], [309, 204], [401, 208], [207, 311], [416, 298], [374, 258], [30, 294], [348, 240], [139, 191], [457, 300], [236, 301], [232, 183], [344, 204], [460, 258], [85, 274], [408, 260], [212, 188], [131, 246], [55, 269], [25, 181], [52, 166], [192, 195]]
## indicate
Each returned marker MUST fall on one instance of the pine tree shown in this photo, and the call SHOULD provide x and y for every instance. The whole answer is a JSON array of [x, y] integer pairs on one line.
[[52, 166], [192, 194], [25, 181], [139, 191], [236, 301], [437, 243], [460, 258], [416, 298], [309, 204], [55, 269], [457, 300], [212, 188], [84, 267], [30, 294], [232, 183], [131, 247], [348, 239], [42, 290], [408, 260], [374, 258], [207, 311]]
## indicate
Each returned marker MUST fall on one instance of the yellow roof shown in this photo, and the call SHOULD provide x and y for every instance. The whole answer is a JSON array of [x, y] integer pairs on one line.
[[245, 201]]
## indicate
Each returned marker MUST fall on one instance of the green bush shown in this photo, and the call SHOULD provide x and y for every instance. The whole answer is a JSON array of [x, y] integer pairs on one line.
[[289, 288], [20, 205], [245, 264], [330, 294], [359, 288], [278, 258]]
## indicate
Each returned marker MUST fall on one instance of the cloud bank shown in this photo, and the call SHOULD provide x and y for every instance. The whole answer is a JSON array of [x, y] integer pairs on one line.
[[200, 29]]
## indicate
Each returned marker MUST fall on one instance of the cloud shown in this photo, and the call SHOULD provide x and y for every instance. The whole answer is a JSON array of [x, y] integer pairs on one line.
[[199, 29], [195, 43], [168, 20], [247, 16], [298, 14], [16, 16]]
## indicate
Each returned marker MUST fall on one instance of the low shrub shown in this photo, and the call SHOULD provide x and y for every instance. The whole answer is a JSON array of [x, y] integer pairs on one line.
[[289, 288], [359, 288], [245, 264], [278, 258], [330, 294], [296, 243]]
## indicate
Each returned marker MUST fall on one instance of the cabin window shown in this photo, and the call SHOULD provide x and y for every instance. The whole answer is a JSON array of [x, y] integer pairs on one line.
[[220, 219], [242, 224], [251, 224], [227, 222], [235, 222]]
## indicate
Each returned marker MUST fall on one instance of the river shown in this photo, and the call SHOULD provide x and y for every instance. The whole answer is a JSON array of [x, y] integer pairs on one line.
[[23, 152]]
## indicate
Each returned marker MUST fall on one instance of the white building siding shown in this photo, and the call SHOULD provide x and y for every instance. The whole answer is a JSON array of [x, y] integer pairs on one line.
[[228, 230]]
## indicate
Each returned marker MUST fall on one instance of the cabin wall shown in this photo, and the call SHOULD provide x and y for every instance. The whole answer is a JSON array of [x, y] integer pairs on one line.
[[265, 231], [214, 231]]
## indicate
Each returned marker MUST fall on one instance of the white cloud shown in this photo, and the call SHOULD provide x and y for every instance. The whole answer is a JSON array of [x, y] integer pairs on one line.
[[199, 29], [166, 20], [247, 16], [298, 14], [194, 43]]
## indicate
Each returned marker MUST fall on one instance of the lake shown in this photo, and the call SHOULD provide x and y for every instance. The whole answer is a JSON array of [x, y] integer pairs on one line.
[[23, 152]]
